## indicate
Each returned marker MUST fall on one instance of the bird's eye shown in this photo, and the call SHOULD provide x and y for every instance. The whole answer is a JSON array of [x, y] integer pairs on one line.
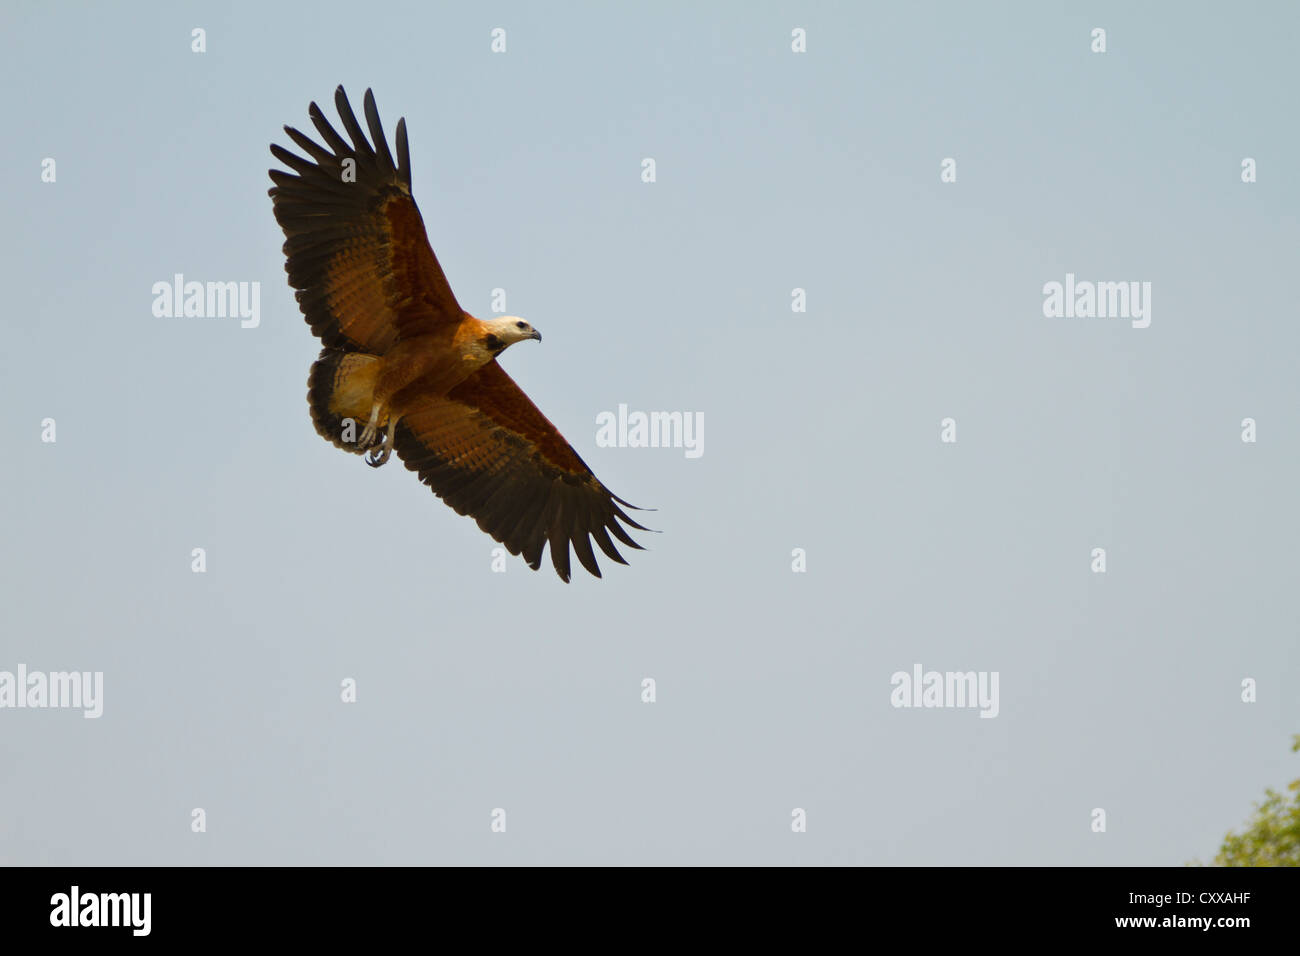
[[521, 325]]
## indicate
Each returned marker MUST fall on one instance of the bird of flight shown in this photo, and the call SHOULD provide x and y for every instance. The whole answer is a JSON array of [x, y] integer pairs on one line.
[[402, 357]]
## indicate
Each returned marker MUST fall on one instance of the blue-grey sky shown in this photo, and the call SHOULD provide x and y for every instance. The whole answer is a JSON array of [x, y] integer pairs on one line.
[[775, 171]]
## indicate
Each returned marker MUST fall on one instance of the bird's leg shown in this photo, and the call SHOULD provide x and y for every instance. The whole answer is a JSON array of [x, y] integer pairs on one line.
[[375, 459], [371, 431]]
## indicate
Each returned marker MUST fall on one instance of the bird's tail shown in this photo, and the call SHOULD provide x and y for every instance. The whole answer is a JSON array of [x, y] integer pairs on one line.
[[339, 391]]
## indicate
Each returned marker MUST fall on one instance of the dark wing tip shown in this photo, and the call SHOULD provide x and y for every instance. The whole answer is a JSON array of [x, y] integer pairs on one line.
[[403, 153], [628, 503], [622, 535], [349, 119], [581, 541], [377, 132], [602, 539], [623, 516]]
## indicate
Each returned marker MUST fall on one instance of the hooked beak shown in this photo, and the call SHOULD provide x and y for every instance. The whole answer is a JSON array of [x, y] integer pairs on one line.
[[536, 335]]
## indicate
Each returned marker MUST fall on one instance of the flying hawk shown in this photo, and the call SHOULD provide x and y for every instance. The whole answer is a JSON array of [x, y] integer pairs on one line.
[[402, 357]]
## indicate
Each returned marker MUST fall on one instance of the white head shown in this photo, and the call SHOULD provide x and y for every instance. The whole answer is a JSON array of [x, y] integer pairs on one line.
[[506, 331]]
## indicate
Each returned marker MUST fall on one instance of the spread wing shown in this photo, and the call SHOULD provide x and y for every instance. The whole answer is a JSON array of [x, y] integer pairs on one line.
[[487, 451], [355, 244]]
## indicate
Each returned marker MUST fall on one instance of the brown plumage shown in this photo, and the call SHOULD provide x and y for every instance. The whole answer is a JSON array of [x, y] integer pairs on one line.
[[405, 369]]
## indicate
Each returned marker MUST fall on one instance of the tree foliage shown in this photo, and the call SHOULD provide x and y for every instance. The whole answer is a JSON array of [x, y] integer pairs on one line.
[[1272, 836]]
